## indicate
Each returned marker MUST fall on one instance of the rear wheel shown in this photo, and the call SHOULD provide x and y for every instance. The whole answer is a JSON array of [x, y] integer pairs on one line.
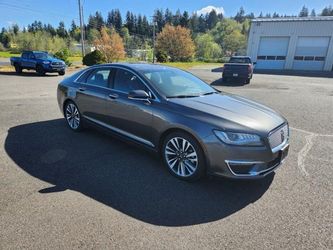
[[18, 69], [40, 71], [73, 116], [183, 156]]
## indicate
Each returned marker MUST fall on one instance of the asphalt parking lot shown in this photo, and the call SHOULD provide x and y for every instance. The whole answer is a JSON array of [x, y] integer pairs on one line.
[[60, 189]]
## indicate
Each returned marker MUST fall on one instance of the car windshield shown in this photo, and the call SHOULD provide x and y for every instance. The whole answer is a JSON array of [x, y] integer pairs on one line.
[[239, 60], [41, 55], [175, 83]]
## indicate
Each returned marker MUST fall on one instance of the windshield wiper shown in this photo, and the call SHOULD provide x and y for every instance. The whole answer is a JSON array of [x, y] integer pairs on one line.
[[182, 96], [210, 93]]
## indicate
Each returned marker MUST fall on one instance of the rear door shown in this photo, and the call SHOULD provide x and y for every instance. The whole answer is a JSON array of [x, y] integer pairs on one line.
[[92, 93], [25, 60], [132, 118]]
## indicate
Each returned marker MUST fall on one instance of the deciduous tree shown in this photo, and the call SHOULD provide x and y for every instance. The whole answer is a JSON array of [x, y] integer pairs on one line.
[[176, 43], [111, 45]]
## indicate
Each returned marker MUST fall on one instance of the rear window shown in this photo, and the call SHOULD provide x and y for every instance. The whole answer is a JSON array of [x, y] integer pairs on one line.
[[239, 60]]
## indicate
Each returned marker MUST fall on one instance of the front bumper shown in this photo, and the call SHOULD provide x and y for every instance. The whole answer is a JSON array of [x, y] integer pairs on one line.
[[248, 169], [243, 162], [54, 68]]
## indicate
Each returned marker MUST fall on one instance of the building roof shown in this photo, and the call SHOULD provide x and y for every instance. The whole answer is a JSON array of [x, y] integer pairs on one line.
[[294, 19]]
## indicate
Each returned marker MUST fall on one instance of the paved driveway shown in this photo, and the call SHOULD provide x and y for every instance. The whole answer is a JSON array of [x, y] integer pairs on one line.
[[60, 189]]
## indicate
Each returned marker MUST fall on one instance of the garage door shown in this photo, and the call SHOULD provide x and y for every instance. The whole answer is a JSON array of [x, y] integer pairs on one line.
[[311, 53], [272, 52]]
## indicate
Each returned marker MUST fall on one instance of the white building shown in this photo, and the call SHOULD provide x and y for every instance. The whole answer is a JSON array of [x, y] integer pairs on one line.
[[292, 43]]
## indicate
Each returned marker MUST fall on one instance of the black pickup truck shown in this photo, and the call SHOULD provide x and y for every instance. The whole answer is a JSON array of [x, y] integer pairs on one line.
[[40, 61], [240, 67]]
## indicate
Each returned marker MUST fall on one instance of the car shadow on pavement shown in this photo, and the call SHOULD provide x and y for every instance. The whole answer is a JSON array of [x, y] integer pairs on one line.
[[123, 176], [229, 83], [27, 74]]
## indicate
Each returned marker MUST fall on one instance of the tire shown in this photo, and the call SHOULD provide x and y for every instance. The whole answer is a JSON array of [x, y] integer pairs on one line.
[[40, 71], [183, 156], [18, 69], [61, 73], [73, 116], [247, 81]]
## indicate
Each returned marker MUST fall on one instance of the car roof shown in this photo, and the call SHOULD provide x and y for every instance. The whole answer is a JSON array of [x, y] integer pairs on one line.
[[137, 66]]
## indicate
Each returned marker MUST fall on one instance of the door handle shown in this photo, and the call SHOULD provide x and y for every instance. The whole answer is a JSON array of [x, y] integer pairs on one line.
[[82, 89], [113, 96]]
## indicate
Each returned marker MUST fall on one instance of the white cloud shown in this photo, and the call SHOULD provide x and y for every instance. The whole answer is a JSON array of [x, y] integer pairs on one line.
[[208, 9]]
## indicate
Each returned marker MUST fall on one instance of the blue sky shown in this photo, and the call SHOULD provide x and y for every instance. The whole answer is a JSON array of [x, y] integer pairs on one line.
[[24, 12]]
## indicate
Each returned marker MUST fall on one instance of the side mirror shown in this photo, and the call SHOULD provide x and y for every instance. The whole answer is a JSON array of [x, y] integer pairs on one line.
[[139, 95]]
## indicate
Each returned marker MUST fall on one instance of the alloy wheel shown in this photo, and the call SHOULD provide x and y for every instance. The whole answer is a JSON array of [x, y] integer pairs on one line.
[[181, 157], [72, 116]]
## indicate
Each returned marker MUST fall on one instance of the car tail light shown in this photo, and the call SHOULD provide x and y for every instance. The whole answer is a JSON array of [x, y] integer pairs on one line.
[[249, 68]]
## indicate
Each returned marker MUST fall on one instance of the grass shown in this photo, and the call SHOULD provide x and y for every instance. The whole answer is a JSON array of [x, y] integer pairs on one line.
[[7, 54], [75, 58], [181, 65], [188, 65]]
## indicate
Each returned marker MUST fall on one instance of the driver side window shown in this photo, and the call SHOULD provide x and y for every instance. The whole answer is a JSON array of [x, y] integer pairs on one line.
[[126, 82]]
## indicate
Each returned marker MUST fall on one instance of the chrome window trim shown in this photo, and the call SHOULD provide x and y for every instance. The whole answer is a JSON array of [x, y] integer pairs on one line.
[[155, 98], [120, 131], [143, 82]]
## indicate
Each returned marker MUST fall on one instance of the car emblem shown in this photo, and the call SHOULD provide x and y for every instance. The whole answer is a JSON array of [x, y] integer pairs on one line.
[[282, 135]]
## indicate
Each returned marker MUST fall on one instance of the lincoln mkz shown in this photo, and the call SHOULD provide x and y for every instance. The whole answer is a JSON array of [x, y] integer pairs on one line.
[[195, 128]]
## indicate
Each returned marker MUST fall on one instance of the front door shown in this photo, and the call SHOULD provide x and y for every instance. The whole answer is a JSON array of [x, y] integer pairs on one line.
[[132, 118]]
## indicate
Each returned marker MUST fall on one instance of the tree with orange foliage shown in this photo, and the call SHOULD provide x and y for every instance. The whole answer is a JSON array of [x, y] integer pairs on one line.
[[176, 43], [111, 45]]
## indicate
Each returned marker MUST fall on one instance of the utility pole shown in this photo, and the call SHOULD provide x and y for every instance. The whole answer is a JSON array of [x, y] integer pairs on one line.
[[154, 23], [81, 27]]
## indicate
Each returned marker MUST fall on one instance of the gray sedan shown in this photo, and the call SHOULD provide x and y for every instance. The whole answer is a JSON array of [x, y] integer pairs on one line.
[[196, 129]]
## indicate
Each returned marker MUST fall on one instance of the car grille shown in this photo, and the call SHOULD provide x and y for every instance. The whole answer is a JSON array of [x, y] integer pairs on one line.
[[56, 64], [279, 136]]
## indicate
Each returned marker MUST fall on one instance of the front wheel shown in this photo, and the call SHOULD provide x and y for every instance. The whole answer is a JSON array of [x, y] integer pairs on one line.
[[73, 116], [183, 156], [40, 71], [247, 81], [61, 73], [18, 69]]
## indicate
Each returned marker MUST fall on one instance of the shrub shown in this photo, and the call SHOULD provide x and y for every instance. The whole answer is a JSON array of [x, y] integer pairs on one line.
[[95, 57], [63, 55], [2, 48], [162, 56]]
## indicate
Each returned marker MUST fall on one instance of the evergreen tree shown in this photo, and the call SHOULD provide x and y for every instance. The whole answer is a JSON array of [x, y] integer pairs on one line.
[[159, 19], [129, 21], [327, 11], [240, 16], [212, 19], [168, 17], [184, 20], [61, 31], [313, 13], [304, 12]]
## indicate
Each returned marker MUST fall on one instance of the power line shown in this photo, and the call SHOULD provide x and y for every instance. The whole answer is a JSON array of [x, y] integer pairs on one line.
[[41, 12]]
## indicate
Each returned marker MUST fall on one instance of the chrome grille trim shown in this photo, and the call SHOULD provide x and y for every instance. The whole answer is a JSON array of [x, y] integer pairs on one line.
[[278, 137]]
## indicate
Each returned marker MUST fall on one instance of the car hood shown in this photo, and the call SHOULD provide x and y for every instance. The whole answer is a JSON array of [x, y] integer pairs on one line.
[[51, 60], [234, 109]]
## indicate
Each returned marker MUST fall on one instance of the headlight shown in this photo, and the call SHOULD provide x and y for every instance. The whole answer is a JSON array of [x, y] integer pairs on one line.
[[240, 139], [46, 62]]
